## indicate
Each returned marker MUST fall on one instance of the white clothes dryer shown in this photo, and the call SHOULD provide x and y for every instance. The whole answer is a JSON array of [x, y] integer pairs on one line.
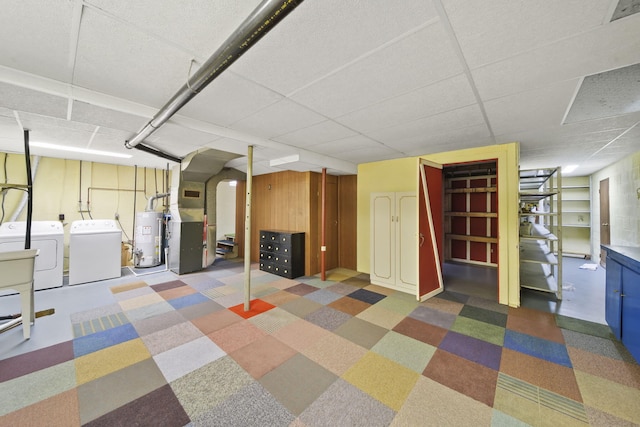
[[94, 250], [48, 237]]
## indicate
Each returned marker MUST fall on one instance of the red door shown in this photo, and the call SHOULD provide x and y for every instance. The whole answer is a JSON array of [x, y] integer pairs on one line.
[[430, 227]]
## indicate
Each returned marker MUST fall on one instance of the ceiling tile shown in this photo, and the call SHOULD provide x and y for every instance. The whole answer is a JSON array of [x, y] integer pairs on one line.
[[570, 58], [228, 99], [498, 29], [199, 26], [144, 70], [338, 147], [177, 137], [437, 98], [455, 139], [105, 117], [321, 36], [36, 37], [280, 118], [32, 101], [417, 60], [433, 125], [322, 132], [57, 131], [538, 108], [371, 154], [239, 147]]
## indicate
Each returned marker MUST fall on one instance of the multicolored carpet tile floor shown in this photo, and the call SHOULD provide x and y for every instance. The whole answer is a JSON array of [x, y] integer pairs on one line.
[[340, 352]]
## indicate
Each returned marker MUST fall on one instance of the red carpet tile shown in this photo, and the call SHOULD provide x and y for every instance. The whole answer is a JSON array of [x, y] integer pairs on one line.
[[256, 307]]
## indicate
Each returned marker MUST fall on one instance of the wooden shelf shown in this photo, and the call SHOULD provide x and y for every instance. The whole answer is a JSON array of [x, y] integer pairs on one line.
[[539, 232], [538, 277], [536, 252], [471, 190], [473, 214], [536, 196], [472, 238], [539, 214]]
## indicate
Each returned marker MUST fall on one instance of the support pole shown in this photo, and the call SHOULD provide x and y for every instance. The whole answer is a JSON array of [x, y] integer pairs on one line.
[[247, 232], [323, 232], [27, 159]]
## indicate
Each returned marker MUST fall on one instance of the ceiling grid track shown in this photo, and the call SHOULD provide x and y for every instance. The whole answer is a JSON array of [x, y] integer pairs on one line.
[[614, 139], [366, 55], [76, 21], [155, 36], [463, 62]]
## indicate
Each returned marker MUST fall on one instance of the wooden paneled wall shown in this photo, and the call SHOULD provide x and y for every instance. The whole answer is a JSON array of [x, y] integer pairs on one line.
[[292, 201], [347, 221]]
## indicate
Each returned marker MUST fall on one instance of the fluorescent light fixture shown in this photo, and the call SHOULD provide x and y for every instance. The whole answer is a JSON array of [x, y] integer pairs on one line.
[[569, 169], [77, 150], [284, 160]]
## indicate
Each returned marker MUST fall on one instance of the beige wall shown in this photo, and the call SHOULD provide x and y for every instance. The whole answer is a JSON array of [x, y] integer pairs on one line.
[[624, 204], [58, 186], [402, 175]]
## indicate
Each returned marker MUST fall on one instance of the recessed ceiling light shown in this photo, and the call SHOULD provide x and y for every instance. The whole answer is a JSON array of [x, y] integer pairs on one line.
[[77, 150], [569, 169]]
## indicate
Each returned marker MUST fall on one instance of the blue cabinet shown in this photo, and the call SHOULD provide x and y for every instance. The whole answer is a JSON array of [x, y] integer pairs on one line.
[[622, 309], [613, 301]]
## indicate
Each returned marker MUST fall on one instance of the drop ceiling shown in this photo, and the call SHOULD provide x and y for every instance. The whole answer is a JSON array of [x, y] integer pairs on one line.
[[335, 84]]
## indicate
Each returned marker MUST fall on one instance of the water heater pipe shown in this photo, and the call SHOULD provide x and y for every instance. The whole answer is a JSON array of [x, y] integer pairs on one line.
[[152, 198], [265, 17]]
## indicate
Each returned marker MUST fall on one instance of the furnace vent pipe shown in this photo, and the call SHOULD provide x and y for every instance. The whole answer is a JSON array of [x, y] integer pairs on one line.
[[266, 16], [151, 200]]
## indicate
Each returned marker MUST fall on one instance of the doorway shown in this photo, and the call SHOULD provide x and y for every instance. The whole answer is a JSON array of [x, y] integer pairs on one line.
[[470, 224], [605, 230], [222, 233]]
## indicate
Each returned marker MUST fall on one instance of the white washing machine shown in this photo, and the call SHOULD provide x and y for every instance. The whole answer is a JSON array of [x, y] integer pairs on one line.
[[48, 236], [94, 250]]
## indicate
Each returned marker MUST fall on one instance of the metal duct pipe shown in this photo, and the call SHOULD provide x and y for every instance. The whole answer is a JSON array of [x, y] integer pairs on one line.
[[266, 16]]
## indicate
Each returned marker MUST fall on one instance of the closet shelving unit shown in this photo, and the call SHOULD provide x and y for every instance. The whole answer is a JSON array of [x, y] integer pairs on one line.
[[471, 215], [541, 230], [576, 216]]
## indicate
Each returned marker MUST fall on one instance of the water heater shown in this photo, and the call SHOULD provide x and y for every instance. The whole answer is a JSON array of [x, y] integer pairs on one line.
[[148, 239]]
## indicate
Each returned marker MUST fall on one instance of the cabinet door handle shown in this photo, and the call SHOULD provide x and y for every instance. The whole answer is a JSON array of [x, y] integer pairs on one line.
[[421, 239], [605, 224]]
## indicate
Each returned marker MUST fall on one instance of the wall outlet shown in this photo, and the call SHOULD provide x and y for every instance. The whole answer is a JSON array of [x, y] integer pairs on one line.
[[60, 217]]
